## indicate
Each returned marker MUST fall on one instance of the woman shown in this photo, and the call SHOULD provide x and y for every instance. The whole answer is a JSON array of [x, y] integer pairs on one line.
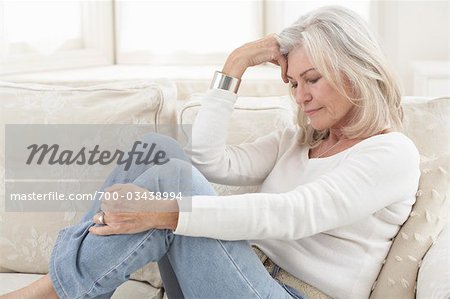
[[334, 190]]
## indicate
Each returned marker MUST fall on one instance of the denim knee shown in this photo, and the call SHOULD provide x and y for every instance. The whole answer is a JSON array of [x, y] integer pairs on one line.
[[187, 177], [152, 149], [165, 143], [175, 175]]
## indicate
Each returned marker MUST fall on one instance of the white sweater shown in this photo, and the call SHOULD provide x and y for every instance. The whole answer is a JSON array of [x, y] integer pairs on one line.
[[327, 221]]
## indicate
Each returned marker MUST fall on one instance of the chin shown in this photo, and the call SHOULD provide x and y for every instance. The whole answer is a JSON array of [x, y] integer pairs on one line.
[[319, 126]]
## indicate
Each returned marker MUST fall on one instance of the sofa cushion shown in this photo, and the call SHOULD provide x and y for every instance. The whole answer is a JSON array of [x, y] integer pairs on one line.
[[427, 123], [130, 289], [398, 276], [26, 239], [434, 273]]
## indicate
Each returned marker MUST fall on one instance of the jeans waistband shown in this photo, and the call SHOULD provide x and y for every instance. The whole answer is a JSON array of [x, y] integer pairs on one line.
[[285, 277]]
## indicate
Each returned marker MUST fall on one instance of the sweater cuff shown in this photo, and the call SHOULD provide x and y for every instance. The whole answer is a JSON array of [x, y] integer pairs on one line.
[[194, 222], [183, 219], [221, 95]]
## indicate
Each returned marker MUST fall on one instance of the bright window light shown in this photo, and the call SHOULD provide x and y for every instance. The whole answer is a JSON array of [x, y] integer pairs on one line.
[[41, 26], [194, 27]]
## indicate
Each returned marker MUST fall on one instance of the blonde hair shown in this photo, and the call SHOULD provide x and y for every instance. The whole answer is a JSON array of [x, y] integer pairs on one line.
[[341, 47]]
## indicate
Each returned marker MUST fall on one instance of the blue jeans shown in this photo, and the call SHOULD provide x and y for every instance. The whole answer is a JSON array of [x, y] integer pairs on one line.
[[85, 265]]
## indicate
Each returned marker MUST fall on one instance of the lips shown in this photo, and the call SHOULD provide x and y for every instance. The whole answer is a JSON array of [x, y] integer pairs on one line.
[[310, 112]]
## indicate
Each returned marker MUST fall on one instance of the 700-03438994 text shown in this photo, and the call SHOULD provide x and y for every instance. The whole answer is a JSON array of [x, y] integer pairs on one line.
[[141, 195]]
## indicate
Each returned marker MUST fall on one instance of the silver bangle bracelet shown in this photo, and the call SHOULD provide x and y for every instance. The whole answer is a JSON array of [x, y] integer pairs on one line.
[[222, 81]]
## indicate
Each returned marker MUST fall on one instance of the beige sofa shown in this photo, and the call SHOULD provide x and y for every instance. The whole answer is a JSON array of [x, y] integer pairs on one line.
[[26, 239]]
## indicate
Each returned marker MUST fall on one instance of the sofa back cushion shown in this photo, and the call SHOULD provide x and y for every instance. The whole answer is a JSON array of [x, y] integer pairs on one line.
[[427, 123]]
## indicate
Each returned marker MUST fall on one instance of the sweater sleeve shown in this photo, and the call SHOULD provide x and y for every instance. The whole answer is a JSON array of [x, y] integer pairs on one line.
[[373, 176], [244, 164]]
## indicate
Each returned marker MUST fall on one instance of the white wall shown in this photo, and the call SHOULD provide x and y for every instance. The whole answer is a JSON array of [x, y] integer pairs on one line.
[[414, 31]]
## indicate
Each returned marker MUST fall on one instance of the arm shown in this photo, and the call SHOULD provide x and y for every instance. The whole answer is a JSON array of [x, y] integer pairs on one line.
[[245, 164], [373, 177]]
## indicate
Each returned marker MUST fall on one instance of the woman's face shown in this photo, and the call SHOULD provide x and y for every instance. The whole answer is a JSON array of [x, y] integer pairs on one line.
[[320, 102]]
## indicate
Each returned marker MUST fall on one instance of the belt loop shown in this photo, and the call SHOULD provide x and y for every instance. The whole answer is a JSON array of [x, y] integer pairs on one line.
[[275, 270]]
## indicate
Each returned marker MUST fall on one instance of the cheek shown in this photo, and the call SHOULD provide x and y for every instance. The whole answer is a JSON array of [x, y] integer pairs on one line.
[[333, 111], [336, 108], [340, 109], [322, 92]]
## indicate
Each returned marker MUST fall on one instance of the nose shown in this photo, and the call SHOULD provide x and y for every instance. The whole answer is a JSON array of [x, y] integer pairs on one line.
[[302, 95]]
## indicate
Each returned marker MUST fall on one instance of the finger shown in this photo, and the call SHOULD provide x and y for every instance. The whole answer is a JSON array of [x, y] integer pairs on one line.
[[108, 205], [274, 61], [283, 64], [102, 230], [116, 206], [96, 218], [273, 37], [114, 187], [280, 59]]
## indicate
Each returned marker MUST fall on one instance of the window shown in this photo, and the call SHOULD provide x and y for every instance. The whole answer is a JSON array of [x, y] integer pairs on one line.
[[203, 32], [184, 32], [37, 35], [44, 35]]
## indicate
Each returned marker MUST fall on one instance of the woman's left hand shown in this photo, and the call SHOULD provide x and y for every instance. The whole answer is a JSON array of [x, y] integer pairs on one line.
[[130, 216]]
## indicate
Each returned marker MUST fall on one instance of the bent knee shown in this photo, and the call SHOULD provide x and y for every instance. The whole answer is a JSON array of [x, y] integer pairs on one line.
[[175, 165], [164, 143], [159, 139]]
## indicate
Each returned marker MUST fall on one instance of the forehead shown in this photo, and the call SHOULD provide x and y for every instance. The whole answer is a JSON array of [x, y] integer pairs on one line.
[[298, 62]]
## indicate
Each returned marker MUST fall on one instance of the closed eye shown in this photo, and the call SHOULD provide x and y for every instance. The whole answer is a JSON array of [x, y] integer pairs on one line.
[[312, 81]]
